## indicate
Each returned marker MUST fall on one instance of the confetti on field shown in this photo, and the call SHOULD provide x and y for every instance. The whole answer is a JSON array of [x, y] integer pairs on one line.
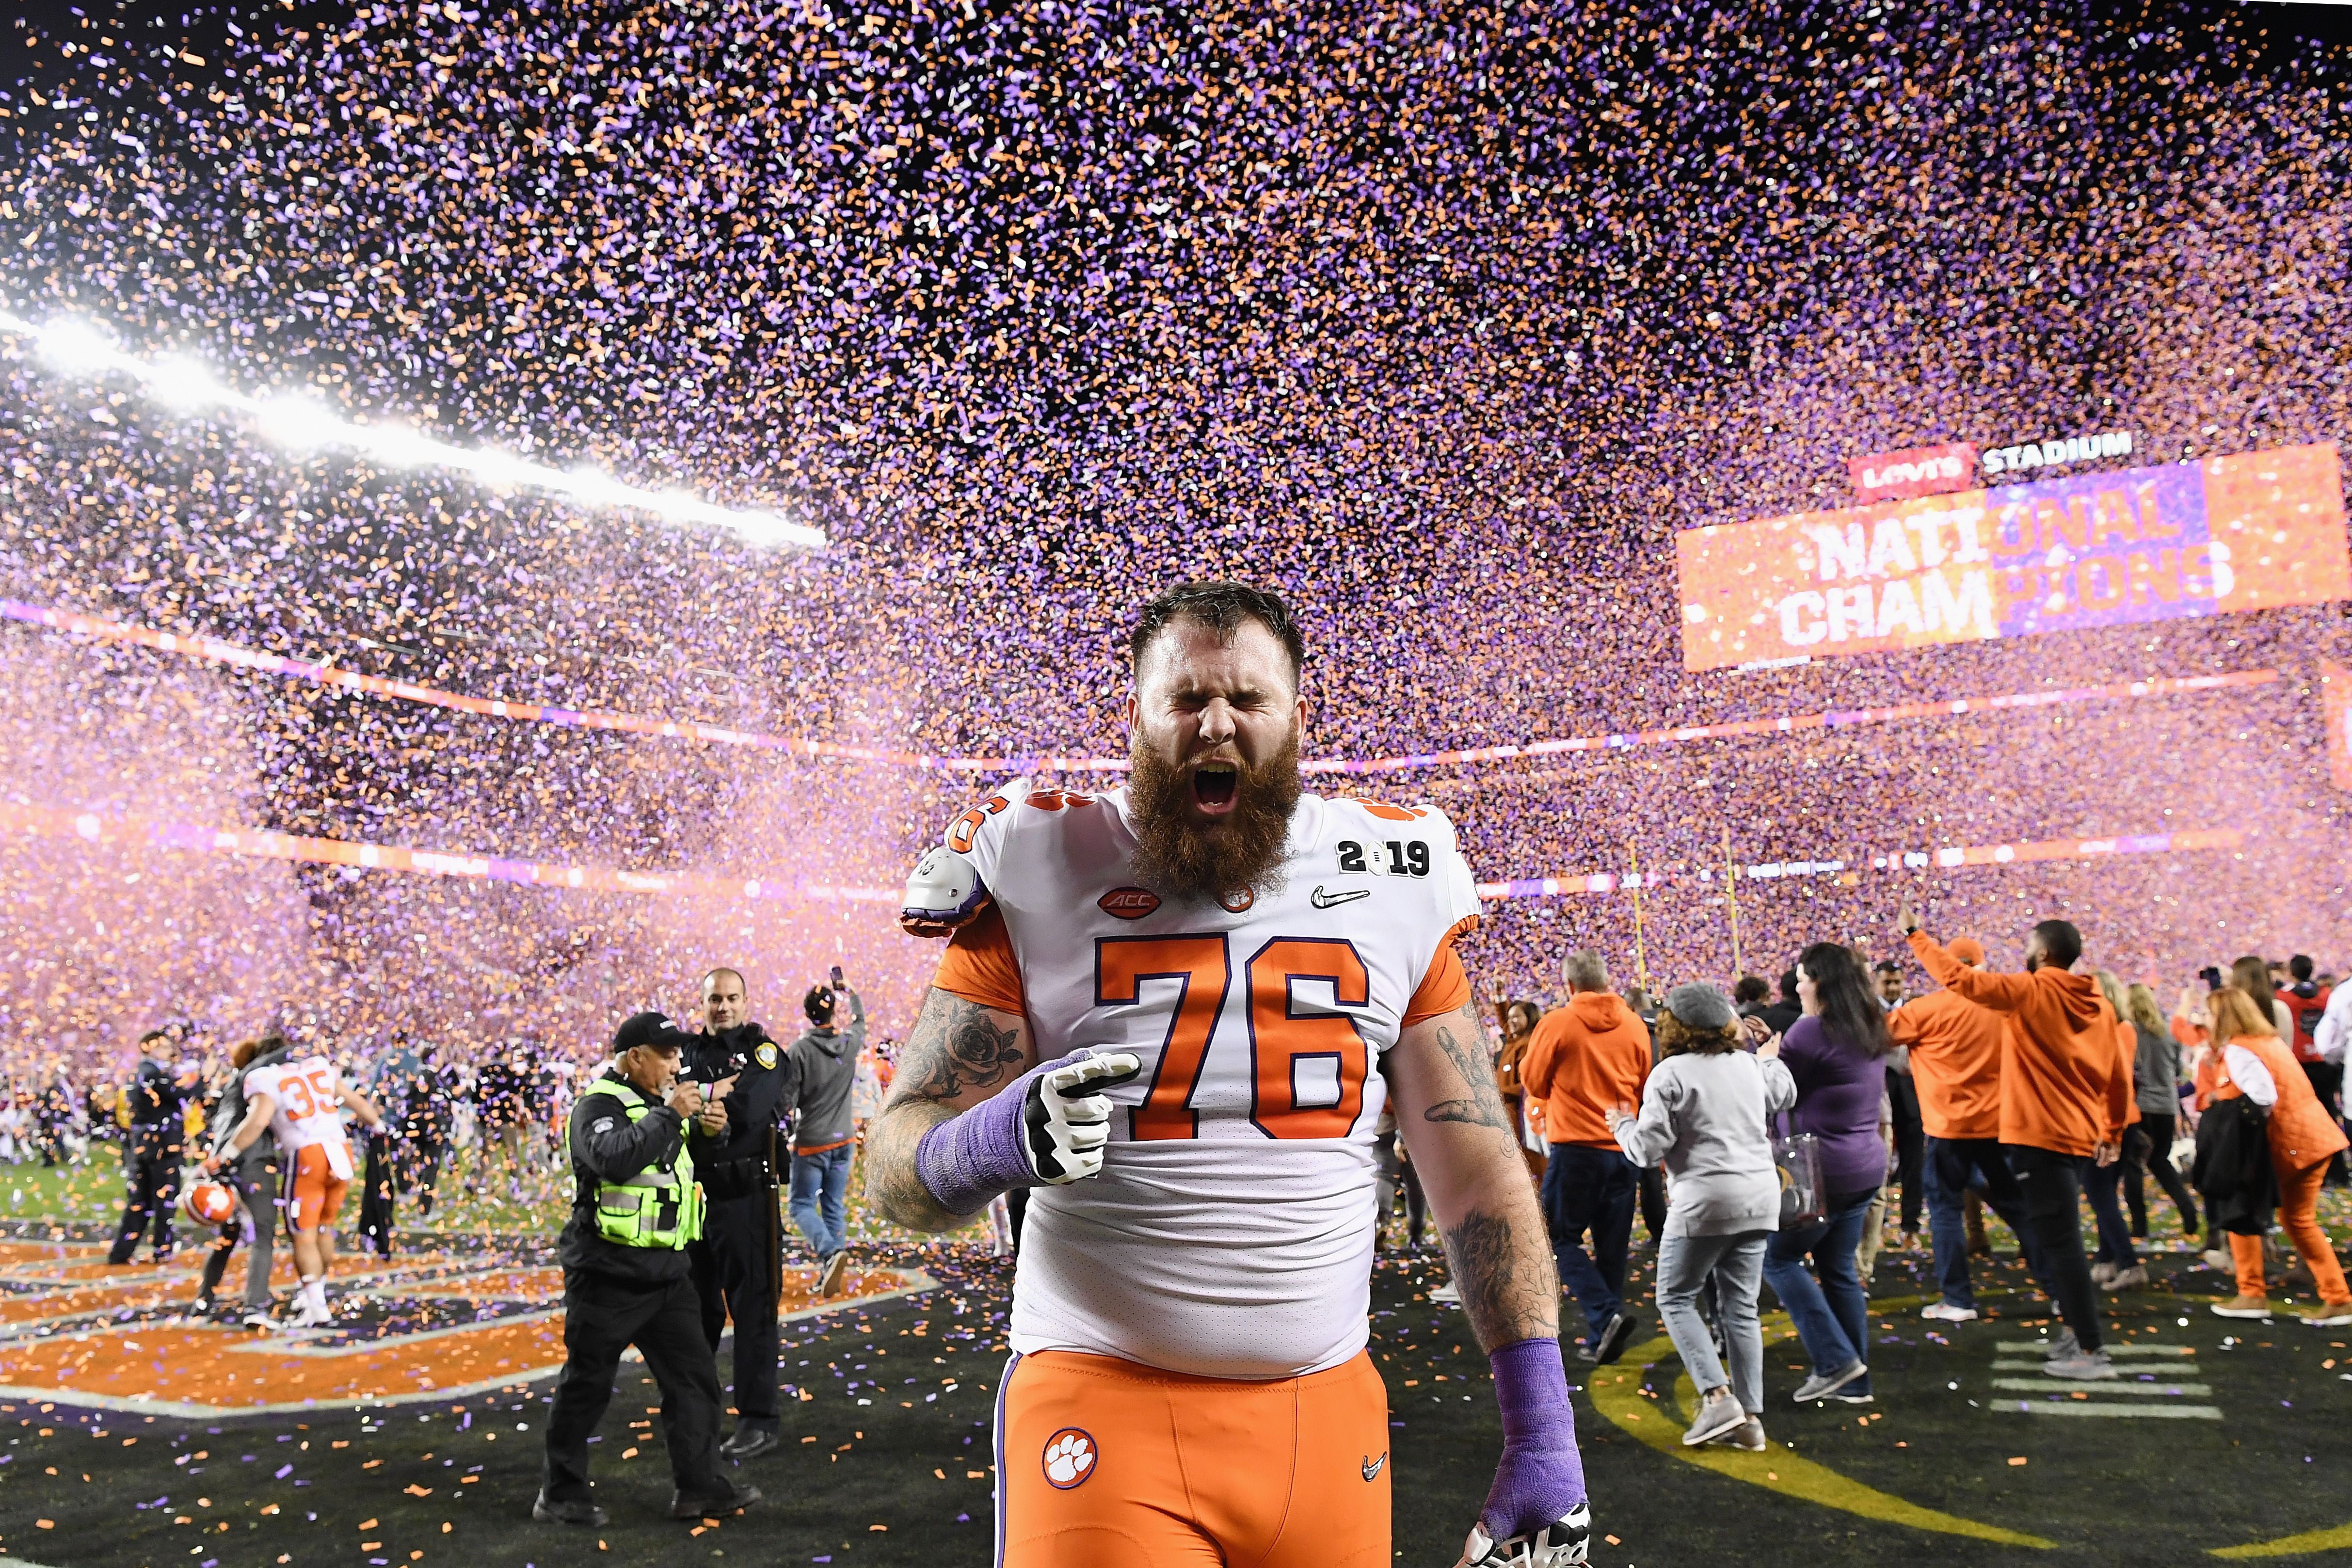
[[1444, 324]]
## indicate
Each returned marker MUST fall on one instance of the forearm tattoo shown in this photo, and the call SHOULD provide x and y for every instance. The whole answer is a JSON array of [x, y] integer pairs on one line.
[[955, 1047], [1507, 1298], [1481, 1105]]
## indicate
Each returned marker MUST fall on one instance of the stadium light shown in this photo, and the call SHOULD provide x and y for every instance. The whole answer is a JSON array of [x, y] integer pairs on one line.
[[297, 423]]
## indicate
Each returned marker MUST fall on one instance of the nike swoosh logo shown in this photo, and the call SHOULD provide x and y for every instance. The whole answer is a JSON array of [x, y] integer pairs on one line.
[[1323, 901], [1372, 1467]]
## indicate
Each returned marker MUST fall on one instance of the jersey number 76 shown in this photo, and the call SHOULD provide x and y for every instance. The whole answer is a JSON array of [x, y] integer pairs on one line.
[[1319, 1052]]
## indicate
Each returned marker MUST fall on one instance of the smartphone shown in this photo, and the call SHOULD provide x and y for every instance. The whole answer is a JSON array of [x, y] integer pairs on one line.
[[2212, 976], [837, 977]]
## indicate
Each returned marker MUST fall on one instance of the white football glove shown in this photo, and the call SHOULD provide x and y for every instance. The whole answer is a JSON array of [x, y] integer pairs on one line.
[[1559, 1544], [1067, 1119]]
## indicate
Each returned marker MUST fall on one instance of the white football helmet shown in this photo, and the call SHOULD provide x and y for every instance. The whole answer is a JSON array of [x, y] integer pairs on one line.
[[944, 893]]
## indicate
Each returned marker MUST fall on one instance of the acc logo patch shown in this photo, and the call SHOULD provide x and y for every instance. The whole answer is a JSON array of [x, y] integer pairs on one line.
[[1234, 903], [766, 1055], [1069, 1459], [1129, 903]]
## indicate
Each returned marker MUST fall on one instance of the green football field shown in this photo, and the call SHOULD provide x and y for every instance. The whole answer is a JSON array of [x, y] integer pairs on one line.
[[2222, 1439]]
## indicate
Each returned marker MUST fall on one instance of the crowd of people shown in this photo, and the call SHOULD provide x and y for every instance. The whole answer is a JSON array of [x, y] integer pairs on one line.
[[1781, 1136]]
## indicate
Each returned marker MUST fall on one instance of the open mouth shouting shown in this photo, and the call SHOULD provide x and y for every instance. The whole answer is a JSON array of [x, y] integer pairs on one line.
[[1215, 786]]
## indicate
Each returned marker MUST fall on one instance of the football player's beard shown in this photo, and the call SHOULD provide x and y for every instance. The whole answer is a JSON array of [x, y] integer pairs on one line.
[[1178, 859]]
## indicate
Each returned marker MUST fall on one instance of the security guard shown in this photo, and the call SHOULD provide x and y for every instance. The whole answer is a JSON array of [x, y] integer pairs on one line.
[[155, 1136], [739, 1264], [634, 1207]]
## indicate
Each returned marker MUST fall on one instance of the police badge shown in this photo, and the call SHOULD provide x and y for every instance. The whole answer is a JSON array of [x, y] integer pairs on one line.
[[766, 1054]]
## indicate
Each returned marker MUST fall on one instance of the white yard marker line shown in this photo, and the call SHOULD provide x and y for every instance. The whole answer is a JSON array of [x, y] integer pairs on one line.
[[2010, 1345], [2078, 1407], [2143, 1390]]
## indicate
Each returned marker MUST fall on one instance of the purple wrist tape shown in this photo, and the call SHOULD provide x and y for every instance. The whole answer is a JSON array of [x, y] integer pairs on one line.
[[1541, 1477], [969, 1158]]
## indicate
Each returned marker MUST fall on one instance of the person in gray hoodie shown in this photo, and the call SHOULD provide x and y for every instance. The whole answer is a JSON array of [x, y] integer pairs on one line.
[[825, 1063], [1704, 1116]]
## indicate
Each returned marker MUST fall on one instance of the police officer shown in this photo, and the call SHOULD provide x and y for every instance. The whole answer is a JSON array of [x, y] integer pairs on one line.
[[635, 1206], [738, 1263], [151, 1158]]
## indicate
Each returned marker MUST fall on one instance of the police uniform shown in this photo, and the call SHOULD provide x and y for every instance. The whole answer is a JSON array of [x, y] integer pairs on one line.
[[150, 1163], [635, 1207], [737, 1264]]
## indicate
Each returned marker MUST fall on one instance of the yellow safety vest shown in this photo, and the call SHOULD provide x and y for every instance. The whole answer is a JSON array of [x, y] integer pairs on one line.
[[662, 1205]]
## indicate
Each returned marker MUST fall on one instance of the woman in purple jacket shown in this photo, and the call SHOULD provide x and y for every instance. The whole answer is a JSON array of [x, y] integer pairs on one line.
[[1836, 1053]]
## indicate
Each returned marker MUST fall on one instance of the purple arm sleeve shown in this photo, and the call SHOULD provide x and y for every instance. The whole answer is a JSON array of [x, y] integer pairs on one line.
[[969, 1158], [1541, 1476]]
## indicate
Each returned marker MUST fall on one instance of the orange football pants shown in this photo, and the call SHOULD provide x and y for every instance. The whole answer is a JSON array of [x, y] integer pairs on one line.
[[318, 1191], [1104, 1461]]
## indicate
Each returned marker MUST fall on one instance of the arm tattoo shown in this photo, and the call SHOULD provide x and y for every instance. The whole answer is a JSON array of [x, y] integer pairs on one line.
[[955, 1048], [1484, 1105], [1503, 1300], [959, 1051]]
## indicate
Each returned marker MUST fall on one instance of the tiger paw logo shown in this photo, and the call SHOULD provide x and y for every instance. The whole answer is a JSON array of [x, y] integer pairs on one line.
[[1069, 1459]]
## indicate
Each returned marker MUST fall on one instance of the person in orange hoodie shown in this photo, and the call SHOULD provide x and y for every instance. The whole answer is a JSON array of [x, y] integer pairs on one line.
[[1956, 1065], [2063, 1098], [1585, 1060], [2257, 1064]]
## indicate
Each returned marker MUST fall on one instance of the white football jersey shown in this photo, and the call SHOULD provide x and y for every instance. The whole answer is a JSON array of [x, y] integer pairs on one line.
[[308, 1094], [1231, 1231]]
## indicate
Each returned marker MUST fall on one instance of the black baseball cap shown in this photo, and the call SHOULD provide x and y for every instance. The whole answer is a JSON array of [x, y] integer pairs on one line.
[[653, 1029]]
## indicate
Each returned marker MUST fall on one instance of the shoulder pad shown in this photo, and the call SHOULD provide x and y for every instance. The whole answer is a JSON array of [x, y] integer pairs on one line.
[[944, 893]]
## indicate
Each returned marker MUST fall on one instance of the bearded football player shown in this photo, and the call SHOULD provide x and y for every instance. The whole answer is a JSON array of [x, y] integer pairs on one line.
[[1176, 1011]]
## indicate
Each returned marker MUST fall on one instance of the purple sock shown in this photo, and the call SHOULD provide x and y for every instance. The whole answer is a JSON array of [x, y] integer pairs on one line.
[[1541, 1476]]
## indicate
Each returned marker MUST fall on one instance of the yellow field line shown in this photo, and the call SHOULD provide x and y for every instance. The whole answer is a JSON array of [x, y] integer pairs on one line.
[[1616, 1395], [2331, 1540]]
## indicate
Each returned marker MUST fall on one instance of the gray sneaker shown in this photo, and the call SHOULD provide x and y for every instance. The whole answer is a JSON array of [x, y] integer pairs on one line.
[[2094, 1366], [2062, 1347], [1821, 1385]]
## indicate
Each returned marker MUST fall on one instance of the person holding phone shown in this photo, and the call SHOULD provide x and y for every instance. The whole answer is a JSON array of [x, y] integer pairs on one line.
[[825, 1077], [635, 1206]]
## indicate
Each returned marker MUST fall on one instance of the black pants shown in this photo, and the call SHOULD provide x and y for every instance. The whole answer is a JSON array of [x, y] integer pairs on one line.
[[734, 1271], [425, 1171], [603, 1317], [2052, 1190], [1910, 1144], [1651, 1192], [379, 1183], [2147, 1150], [152, 1175]]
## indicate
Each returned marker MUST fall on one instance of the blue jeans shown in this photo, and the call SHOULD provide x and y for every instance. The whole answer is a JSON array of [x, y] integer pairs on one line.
[[1590, 1190], [819, 1183], [1954, 1165], [2102, 1184], [1832, 1312]]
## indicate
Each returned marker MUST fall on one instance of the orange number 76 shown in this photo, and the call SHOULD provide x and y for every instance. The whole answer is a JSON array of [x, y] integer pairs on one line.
[[1282, 1039]]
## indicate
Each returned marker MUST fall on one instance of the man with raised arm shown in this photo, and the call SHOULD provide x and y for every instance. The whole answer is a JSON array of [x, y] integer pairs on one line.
[[1176, 1011]]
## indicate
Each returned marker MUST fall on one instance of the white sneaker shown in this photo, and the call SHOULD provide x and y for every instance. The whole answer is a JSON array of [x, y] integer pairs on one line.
[[1448, 1292], [314, 1317], [258, 1317], [1948, 1313]]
